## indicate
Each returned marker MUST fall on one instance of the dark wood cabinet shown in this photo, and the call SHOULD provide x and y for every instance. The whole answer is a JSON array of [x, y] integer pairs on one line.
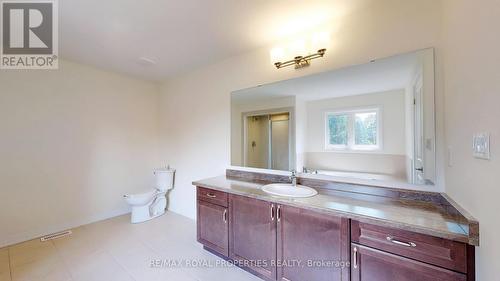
[[212, 229], [285, 243], [278, 242], [312, 246], [212, 222], [369, 264], [437, 251], [422, 252], [252, 235]]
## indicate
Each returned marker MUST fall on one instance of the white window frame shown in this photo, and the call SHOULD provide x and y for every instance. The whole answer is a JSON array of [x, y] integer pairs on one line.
[[351, 146]]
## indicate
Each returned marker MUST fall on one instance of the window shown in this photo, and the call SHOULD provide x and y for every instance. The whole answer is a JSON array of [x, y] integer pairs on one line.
[[353, 130]]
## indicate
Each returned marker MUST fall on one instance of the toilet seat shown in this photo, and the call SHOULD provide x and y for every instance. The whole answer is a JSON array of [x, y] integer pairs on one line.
[[142, 198]]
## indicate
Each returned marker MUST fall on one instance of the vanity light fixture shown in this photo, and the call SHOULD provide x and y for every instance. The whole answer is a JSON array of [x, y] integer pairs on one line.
[[302, 49], [301, 61]]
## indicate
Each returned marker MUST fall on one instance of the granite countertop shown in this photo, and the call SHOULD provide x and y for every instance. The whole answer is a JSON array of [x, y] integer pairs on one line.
[[421, 217]]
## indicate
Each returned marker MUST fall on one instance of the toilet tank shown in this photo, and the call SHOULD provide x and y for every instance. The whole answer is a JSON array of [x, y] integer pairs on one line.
[[164, 178]]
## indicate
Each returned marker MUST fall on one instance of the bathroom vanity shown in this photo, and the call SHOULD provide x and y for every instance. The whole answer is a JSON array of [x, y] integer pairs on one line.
[[364, 137], [346, 232]]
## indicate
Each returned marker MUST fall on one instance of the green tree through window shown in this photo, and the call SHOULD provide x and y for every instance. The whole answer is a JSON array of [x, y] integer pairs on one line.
[[353, 130], [338, 129]]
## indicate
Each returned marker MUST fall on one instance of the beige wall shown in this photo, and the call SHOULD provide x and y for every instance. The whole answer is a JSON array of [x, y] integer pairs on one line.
[[72, 142], [196, 105], [472, 87]]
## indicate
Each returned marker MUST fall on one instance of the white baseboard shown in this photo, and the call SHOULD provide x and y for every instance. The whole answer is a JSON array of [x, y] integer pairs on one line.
[[32, 234]]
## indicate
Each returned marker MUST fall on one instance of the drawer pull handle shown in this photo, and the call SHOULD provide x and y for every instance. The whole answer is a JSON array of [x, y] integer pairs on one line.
[[406, 244], [355, 258], [211, 195], [224, 216]]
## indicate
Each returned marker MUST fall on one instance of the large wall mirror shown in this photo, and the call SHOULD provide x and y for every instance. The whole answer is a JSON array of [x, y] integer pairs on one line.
[[373, 121]]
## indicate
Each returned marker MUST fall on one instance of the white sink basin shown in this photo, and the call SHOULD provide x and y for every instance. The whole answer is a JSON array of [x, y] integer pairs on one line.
[[288, 190]]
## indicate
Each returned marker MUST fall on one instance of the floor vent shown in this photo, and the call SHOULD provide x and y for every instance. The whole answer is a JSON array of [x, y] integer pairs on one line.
[[56, 235]]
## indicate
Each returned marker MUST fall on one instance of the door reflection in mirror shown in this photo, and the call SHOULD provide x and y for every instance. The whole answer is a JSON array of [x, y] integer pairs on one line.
[[267, 141]]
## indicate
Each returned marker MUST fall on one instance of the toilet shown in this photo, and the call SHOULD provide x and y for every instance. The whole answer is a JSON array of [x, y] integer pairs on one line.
[[153, 203]]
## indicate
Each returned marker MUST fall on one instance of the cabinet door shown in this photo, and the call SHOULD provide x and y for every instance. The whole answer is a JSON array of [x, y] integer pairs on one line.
[[213, 227], [312, 246], [373, 265], [252, 235]]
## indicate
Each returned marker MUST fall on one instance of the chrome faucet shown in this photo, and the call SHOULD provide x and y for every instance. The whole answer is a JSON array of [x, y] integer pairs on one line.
[[293, 177]]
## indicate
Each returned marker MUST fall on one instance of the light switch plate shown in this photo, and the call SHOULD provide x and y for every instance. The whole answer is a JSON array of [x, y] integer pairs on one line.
[[481, 146]]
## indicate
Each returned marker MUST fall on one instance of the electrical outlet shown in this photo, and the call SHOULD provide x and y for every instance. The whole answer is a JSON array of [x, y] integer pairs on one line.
[[481, 146]]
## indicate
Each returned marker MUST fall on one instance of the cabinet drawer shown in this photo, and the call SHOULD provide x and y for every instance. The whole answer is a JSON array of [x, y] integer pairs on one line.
[[425, 248], [373, 265], [212, 196]]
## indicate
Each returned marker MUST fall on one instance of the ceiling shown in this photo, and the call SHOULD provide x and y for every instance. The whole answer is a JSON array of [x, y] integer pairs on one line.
[[179, 35], [377, 76]]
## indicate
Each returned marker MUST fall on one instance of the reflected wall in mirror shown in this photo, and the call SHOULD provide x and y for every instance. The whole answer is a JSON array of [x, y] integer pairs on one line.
[[373, 121]]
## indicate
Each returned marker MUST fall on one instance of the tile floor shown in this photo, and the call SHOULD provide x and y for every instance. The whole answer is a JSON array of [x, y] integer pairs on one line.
[[115, 250]]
